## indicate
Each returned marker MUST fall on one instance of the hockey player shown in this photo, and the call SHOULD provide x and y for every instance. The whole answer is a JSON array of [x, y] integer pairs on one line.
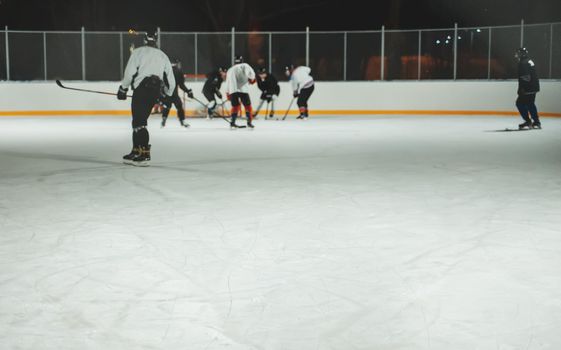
[[270, 90], [238, 79], [211, 89], [302, 87], [175, 99], [528, 87], [150, 75]]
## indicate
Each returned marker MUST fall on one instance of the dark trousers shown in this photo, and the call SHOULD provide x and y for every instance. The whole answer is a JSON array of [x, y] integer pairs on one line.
[[526, 105], [238, 98], [178, 103], [143, 99], [303, 98]]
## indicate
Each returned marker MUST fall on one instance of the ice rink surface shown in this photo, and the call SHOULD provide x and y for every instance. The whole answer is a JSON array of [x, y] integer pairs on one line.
[[335, 233]]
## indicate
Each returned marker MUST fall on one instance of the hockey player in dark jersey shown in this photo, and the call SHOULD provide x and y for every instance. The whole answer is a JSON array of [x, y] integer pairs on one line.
[[528, 87], [150, 75], [270, 90], [175, 99], [211, 89]]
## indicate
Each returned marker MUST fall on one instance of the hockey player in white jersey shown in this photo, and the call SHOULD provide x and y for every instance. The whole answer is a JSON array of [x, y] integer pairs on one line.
[[150, 75], [302, 87], [238, 79]]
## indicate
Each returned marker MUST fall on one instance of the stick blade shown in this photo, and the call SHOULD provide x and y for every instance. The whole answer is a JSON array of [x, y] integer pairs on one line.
[[59, 83]]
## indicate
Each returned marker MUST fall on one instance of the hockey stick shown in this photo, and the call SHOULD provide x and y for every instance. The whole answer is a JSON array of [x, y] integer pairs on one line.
[[86, 90], [267, 111], [258, 109], [222, 103], [291, 102]]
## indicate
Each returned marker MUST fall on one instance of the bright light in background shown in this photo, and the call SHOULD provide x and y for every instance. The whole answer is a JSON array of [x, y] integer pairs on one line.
[[478, 30]]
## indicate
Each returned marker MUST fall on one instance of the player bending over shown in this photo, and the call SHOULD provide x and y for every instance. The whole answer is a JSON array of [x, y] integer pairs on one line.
[[528, 87], [212, 88], [175, 99], [302, 87], [238, 78], [270, 90], [150, 75]]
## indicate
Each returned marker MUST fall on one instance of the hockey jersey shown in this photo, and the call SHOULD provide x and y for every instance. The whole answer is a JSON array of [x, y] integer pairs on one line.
[[301, 78], [269, 86], [239, 77], [148, 61], [528, 82]]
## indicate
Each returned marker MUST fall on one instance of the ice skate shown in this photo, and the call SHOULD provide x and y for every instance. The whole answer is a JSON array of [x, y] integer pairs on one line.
[[142, 159], [536, 125], [127, 159], [525, 125], [164, 119], [185, 124]]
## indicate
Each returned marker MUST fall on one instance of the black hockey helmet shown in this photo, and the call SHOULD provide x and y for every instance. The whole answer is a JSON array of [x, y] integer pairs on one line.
[[262, 70], [238, 59], [151, 38], [521, 53]]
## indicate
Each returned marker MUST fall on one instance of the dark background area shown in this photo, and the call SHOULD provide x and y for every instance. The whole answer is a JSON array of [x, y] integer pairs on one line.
[[290, 15]]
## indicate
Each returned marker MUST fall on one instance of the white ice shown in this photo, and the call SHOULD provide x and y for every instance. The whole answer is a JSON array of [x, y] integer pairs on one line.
[[334, 233]]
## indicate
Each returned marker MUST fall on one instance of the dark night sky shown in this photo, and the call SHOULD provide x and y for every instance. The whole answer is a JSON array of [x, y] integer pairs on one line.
[[207, 15]]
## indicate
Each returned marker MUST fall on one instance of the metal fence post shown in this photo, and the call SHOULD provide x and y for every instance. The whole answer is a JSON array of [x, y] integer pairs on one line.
[[550, 50], [383, 53], [83, 54], [270, 52], [196, 44], [45, 55], [159, 38], [121, 58], [419, 56], [307, 46], [522, 33], [455, 50], [7, 53], [233, 39], [345, 57], [489, 55]]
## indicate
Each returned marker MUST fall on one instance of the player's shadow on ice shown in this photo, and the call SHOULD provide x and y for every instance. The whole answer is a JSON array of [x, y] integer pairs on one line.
[[62, 157], [507, 130], [106, 164]]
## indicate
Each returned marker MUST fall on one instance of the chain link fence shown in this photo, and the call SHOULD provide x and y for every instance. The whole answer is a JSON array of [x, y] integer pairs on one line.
[[427, 54]]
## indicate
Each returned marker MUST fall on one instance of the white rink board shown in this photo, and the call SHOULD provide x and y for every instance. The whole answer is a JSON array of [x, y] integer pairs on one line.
[[353, 96]]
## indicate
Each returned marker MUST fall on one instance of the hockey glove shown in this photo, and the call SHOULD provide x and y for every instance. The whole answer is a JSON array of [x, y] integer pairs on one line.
[[122, 93], [190, 93], [219, 94], [295, 94]]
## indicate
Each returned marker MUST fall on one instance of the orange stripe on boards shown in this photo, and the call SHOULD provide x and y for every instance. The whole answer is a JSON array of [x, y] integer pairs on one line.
[[292, 112]]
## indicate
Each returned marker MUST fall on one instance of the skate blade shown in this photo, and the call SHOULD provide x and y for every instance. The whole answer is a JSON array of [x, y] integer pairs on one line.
[[145, 163]]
